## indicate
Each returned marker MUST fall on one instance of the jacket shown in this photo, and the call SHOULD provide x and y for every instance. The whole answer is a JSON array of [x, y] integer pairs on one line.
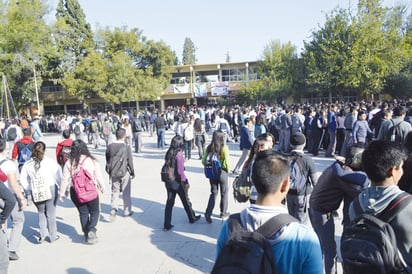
[[113, 148], [25, 140], [405, 127], [246, 138], [49, 170], [374, 200]]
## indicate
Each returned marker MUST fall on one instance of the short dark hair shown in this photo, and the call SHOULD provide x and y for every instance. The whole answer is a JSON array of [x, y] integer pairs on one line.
[[399, 111], [66, 134], [120, 133], [247, 120], [27, 131], [379, 157], [268, 172]]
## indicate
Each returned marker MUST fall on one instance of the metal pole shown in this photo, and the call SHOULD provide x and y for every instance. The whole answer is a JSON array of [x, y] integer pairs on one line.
[[36, 89]]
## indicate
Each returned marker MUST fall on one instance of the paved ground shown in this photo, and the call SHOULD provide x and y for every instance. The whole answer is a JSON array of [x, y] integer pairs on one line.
[[135, 243]]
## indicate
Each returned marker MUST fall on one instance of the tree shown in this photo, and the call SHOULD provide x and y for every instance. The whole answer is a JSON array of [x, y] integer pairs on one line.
[[189, 52], [25, 45]]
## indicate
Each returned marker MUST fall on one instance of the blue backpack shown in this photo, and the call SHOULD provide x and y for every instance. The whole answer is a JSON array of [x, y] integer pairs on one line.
[[213, 167], [25, 152]]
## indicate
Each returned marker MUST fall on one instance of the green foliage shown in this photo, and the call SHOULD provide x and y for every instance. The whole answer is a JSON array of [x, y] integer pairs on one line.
[[189, 52]]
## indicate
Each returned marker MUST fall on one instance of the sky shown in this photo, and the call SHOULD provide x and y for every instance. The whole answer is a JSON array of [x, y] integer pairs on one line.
[[239, 28]]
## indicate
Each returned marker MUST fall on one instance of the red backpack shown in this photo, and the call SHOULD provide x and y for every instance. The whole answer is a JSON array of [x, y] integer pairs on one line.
[[83, 185]]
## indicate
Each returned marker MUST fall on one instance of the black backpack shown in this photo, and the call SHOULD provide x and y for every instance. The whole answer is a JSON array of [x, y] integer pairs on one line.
[[250, 252], [167, 173], [11, 134], [394, 133], [369, 245]]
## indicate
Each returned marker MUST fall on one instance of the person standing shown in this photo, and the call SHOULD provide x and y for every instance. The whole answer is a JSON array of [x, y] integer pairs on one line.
[[361, 130], [89, 212], [219, 147], [332, 128], [13, 135], [43, 170], [37, 134], [63, 148], [246, 142], [137, 130], [95, 127], [174, 158], [17, 215], [295, 247], [200, 136], [20, 153], [160, 123], [128, 130], [7, 202], [119, 166]]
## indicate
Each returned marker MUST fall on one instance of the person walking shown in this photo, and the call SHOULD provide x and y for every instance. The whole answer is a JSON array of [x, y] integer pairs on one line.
[[137, 130], [246, 142], [7, 201], [42, 176], [174, 157], [219, 147], [200, 136], [80, 158], [63, 148], [160, 123], [119, 166]]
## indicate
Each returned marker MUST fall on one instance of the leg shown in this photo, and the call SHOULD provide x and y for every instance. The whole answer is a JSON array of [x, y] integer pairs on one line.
[[51, 214], [224, 197], [186, 203], [126, 190], [212, 198], [17, 218], [41, 209], [325, 229], [116, 184], [93, 208], [171, 195], [245, 153], [4, 254], [83, 212]]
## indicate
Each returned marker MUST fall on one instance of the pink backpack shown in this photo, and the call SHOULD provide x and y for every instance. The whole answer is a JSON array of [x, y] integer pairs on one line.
[[83, 185]]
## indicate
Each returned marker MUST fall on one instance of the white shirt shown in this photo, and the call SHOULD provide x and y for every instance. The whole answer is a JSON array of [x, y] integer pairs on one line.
[[49, 170]]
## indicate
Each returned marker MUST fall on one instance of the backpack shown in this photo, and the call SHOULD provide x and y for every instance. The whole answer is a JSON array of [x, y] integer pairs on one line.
[[212, 167], [250, 252], [106, 128], [117, 168], [76, 129], [242, 186], [167, 173], [188, 133], [223, 127], [83, 185], [64, 155], [11, 134], [137, 125], [298, 179], [25, 152], [94, 126], [394, 134], [40, 190], [368, 244]]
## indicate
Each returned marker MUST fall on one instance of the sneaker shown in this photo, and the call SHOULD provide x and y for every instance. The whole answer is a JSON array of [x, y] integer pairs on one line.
[[13, 256], [208, 218], [55, 239], [41, 240], [197, 218], [113, 215], [224, 215], [129, 214], [91, 237], [168, 228]]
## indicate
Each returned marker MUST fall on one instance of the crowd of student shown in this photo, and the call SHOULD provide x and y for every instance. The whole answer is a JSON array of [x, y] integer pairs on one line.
[[270, 138]]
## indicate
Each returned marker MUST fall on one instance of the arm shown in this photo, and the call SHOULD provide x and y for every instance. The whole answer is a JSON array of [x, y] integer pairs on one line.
[[59, 148], [15, 152], [107, 168], [98, 177], [225, 158], [14, 186], [130, 162], [9, 202], [65, 183], [349, 176], [180, 168]]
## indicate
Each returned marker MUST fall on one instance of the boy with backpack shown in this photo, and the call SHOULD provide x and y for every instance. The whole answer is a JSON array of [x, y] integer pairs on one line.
[[13, 134], [384, 203], [22, 149], [63, 148], [395, 129], [288, 246], [302, 178]]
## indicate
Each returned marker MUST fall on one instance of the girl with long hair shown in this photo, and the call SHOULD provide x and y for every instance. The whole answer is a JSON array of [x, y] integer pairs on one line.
[[89, 211], [200, 136], [37, 172], [174, 157], [219, 147]]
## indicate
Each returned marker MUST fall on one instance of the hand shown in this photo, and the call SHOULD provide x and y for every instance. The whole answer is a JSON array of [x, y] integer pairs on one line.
[[132, 176], [62, 197], [187, 186], [22, 204]]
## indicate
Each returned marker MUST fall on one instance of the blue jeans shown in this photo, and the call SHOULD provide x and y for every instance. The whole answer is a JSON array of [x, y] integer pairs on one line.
[[221, 183], [324, 227], [160, 138]]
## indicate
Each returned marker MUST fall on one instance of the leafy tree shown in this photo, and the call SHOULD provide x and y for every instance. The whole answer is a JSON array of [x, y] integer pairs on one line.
[[25, 46], [189, 52]]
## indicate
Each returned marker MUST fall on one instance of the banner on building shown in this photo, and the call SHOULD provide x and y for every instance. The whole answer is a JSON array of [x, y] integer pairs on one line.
[[181, 88], [200, 90], [220, 88]]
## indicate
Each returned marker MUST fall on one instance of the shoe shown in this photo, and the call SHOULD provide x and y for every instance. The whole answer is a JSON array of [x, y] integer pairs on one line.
[[129, 214], [13, 256], [113, 215], [224, 215], [208, 219], [197, 218], [168, 228], [41, 240], [91, 237]]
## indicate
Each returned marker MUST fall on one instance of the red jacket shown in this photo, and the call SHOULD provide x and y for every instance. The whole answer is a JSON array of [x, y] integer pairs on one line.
[[25, 140], [60, 145]]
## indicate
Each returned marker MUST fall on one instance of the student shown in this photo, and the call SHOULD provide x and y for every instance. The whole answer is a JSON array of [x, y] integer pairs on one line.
[[7, 202], [119, 166], [17, 215], [63, 148], [28, 141], [180, 186], [382, 161], [89, 212], [218, 146], [296, 248]]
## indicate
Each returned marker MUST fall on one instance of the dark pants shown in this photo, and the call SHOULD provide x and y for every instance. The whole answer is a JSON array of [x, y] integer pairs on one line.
[[221, 183], [161, 137], [324, 227], [89, 212], [171, 196], [188, 149]]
